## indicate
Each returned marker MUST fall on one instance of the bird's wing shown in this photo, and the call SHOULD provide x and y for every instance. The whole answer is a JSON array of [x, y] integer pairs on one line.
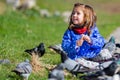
[[24, 67], [17, 70]]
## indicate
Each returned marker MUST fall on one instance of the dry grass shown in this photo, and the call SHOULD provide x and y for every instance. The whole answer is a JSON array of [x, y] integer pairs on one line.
[[37, 65]]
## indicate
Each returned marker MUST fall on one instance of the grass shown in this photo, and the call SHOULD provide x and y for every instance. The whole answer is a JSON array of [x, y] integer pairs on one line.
[[24, 30]]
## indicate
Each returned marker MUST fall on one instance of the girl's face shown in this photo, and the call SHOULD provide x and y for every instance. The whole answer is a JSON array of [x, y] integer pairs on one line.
[[77, 16]]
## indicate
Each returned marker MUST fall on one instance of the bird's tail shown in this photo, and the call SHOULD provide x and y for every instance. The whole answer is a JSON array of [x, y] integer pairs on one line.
[[110, 45], [112, 39], [28, 51], [17, 71], [57, 48]]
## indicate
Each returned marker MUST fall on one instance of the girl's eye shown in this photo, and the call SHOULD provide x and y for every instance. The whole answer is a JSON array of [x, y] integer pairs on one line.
[[73, 13], [78, 13]]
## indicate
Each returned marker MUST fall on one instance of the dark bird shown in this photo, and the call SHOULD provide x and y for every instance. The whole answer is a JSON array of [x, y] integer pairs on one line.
[[4, 61], [92, 76], [118, 45], [108, 73], [23, 69], [57, 73], [71, 65], [110, 70], [97, 76], [56, 48], [111, 45], [38, 50]]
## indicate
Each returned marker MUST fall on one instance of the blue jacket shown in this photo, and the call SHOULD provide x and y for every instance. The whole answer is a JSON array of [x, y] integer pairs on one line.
[[86, 50]]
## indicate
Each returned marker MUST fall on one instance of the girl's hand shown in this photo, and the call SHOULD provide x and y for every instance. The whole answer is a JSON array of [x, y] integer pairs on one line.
[[80, 41], [87, 38]]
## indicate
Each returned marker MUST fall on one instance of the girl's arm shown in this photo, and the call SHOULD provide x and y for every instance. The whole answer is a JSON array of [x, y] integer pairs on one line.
[[69, 45], [97, 41]]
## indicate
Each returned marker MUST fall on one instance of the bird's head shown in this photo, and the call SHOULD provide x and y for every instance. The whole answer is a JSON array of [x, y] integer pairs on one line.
[[60, 66], [41, 49]]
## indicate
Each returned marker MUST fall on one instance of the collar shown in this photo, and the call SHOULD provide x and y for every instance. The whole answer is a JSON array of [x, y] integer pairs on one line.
[[80, 30]]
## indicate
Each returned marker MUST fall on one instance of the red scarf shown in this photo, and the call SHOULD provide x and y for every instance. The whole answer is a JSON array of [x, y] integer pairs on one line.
[[80, 30]]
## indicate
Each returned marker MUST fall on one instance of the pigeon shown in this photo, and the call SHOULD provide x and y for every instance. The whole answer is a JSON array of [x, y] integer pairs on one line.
[[118, 45], [96, 76], [39, 50], [71, 65], [110, 45], [57, 73], [23, 69], [92, 76], [74, 66], [64, 58], [4, 61], [110, 70], [56, 48], [108, 73]]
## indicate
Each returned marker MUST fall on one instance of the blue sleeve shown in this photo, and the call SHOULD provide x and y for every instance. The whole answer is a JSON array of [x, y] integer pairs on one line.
[[69, 45], [98, 41]]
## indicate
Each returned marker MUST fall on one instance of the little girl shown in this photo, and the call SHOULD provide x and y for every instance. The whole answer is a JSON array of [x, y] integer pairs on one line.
[[82, 40]]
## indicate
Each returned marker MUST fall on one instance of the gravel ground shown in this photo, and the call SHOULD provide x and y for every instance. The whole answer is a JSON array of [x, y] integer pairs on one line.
[[116, 34]]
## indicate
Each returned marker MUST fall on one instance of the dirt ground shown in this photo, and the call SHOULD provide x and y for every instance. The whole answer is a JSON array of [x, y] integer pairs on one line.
[[111, 7]]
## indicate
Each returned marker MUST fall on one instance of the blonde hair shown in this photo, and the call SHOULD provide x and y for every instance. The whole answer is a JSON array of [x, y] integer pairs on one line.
[[89, 17]]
